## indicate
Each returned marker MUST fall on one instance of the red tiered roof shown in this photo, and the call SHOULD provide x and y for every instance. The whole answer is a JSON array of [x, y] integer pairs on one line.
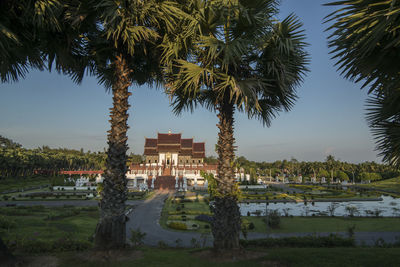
[[173, 143], [169, 139], [150, 142], [187, 143]]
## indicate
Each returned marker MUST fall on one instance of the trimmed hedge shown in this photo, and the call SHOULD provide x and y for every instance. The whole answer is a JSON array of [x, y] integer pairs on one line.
[[306, 241], [189, 212], [177, 225], [204, 218]]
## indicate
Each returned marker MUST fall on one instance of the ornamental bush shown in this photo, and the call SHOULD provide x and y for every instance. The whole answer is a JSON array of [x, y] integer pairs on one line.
[[177, 225], [204, 218]]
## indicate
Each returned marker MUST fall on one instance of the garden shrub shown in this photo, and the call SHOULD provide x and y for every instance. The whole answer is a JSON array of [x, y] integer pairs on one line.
[[251, 226], [204, 218], [177, 225], [162, 244], [273, 219], [137, 237], [306, 241]]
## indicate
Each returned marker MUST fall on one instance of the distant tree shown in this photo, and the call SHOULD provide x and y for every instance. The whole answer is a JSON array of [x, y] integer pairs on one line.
[[210, 160], [8, 143], [342, 176], [323, 173]]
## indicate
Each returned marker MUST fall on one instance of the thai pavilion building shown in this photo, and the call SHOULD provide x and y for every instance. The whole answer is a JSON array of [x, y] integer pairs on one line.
[[171, 162]]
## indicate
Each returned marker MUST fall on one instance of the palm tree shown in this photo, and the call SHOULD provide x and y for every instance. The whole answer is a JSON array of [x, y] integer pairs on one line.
[[241, 59], [383, 115], [365, 43], [116, 41], [122, 44]]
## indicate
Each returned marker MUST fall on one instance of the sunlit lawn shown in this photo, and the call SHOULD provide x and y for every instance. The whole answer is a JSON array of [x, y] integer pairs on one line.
[[46, 224], [389, 184]]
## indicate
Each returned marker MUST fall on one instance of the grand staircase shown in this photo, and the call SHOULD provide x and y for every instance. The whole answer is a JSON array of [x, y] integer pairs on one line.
[[163, 182]]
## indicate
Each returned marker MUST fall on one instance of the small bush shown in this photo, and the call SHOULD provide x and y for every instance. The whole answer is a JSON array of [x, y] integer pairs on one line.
[[178, 243], [251, 226], [162, 244], [273, 219], [204, 218], [137, 237], [177, 225], [194, 243]]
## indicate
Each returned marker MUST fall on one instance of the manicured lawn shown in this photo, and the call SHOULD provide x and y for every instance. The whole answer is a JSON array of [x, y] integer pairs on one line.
[[47, 224], [261, 257], [24, 182], [328, 224], [389, 184]]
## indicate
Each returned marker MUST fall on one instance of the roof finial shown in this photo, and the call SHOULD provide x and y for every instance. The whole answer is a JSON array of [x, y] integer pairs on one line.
[[169, 131]]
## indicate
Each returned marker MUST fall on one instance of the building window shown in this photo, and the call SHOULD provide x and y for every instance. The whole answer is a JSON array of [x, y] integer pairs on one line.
[[187, 161], [149, 161], [156, 161], [199, 161], [193, 161]]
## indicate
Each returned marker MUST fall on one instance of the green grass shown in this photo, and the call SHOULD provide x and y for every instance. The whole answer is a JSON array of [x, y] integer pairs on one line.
[[265, 257], [389, 184], [24, 182], [328, 224], [33, 222]]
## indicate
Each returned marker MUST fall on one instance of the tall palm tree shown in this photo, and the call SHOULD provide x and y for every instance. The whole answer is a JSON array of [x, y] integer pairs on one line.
[[122, 49], [115, 40], [239, 58], [366, 44]]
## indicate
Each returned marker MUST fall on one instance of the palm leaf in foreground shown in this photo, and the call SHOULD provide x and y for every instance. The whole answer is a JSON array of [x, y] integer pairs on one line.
[[242, 59]]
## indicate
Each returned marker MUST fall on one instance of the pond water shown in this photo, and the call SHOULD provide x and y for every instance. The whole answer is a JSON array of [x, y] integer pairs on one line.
[[388, 207]]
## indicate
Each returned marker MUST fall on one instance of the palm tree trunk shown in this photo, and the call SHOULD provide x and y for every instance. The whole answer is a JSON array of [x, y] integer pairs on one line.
[[110, 230], [226, 223]]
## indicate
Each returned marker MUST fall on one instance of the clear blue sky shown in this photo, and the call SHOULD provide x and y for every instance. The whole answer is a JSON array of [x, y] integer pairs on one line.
[[328, 118]]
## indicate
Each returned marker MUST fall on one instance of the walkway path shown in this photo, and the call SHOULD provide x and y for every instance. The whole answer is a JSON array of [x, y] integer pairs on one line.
[[146, 217], [147, 214]]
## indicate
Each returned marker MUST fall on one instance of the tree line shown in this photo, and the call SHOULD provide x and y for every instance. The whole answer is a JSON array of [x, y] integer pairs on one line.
[[17, 161], [330, 168]]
